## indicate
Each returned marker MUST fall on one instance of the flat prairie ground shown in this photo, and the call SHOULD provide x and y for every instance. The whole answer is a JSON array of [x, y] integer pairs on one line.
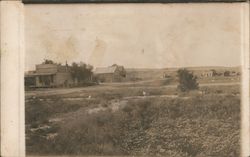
[[146, 118]]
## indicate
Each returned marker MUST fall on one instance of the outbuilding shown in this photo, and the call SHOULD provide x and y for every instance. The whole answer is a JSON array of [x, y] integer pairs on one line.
[[114, 73]]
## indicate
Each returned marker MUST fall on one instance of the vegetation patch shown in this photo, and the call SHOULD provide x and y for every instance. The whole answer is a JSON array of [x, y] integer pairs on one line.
[[203, 125]]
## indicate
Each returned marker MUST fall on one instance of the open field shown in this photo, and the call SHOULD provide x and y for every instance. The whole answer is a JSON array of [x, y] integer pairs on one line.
[[135, 118]]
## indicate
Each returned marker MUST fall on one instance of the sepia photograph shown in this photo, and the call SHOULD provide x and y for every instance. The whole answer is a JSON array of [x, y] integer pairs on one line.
[[133, 79]]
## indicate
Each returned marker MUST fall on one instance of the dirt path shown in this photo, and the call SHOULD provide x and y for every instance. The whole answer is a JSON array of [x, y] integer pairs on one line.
[[61, 91]]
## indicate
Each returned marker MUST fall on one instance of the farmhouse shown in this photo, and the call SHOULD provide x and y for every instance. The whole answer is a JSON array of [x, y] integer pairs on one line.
[[49, 75], [114, 73], [203, 73], [208, 73]]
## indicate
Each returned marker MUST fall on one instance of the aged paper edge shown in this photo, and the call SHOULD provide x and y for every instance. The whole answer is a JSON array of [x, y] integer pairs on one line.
[[245, 127], [130, 1], [12, 87]]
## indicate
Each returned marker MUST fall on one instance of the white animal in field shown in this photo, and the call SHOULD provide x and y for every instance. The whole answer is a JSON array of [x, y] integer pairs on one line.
[[144, 93], [89, 97]]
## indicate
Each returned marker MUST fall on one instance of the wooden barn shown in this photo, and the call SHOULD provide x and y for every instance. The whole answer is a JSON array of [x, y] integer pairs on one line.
[[114, 73]]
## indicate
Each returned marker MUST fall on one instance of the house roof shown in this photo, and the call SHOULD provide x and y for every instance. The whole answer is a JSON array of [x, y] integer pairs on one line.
[[105, 70]]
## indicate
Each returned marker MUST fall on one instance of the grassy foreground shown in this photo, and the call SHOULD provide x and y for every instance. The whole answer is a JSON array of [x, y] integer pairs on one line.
[[120, 121]]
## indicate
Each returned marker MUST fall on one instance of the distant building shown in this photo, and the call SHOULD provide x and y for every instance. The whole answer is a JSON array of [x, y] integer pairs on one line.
[[114, 73], [231, 73], [203, 74], [165, 75], [49, 75], [207, 73], [234, 73]]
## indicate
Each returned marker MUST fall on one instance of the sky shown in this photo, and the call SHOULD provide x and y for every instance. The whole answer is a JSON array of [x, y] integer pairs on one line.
[[134, 35]]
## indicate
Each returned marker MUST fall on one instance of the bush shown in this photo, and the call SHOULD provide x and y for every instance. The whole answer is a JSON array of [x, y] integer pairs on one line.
[[187, 81]]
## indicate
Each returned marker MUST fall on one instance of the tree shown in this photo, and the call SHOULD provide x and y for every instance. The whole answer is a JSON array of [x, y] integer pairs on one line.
[[214, 72], [47, 61], [227, 73], [81, 71], [187, 81]]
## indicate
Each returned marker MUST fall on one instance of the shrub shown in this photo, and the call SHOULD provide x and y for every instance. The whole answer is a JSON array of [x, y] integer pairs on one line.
[[187, 81]]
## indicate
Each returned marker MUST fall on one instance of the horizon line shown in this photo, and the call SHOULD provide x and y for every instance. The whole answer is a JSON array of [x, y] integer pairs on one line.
[[172, 67]]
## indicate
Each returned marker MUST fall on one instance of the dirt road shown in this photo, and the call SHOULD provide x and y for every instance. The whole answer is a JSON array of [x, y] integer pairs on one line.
[[61, 91]]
